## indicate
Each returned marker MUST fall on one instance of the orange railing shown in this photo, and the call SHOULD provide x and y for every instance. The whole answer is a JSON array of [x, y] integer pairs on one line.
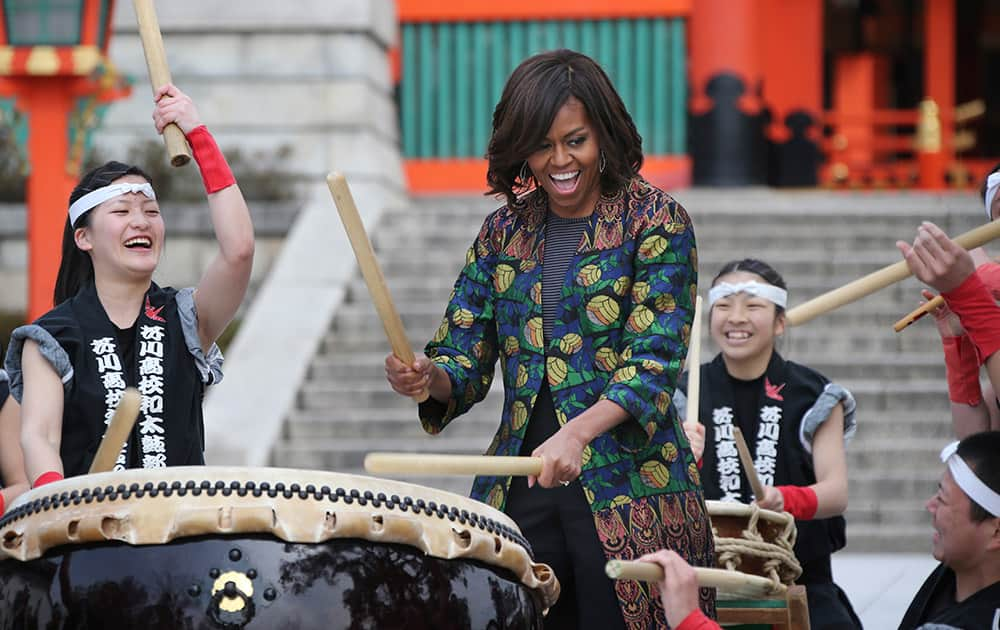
[[902, 148]]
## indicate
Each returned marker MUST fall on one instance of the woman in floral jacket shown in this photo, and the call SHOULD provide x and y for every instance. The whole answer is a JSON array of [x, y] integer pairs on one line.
[[583, 288]]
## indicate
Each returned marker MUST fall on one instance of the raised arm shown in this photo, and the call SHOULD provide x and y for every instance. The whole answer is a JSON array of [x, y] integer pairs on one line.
[[940, 262], [41, 414], [224, 284]]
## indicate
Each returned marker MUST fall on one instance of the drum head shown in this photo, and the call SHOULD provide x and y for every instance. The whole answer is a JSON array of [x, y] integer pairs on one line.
[[155, 507]]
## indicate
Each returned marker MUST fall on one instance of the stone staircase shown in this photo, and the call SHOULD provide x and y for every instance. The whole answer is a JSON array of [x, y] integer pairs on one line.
[[817, 240]]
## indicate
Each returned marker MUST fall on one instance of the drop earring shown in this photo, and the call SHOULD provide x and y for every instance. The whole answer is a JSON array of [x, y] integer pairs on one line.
[[524, 173]]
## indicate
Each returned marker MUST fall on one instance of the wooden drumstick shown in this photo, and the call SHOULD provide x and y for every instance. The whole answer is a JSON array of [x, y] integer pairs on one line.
[[694, 366], [733, 582], [880, 279], [118, 431], [918, 312], [159, 75], [372, 272], [748, 467], [439, 464]]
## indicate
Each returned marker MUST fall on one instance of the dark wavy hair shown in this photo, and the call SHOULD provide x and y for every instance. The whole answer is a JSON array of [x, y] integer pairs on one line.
[[76, 270], [759, 267], [532, 97], [979, 451]]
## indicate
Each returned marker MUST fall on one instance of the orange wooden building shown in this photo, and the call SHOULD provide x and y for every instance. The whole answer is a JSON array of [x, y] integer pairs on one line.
[[724, 92], [55, 76]]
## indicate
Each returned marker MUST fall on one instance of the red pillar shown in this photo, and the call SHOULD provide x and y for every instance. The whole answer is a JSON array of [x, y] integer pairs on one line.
[[726, 132], [47, 104], [792, 64], [939, 85], [792, 68]]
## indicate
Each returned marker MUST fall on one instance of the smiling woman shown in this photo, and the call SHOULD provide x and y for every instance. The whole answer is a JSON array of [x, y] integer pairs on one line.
[[796, 420], [113, 327], [582, 285]]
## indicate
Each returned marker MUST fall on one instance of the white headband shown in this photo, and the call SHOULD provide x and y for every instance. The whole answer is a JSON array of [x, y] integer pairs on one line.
[[767, 291], [992, 185], [968, 481], [96, 197]]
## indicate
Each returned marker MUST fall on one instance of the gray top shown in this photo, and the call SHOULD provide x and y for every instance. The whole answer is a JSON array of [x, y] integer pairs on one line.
[[562, 239]]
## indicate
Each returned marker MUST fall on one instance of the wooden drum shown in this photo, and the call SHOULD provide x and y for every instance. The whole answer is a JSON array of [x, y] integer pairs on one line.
[[755, 541], [229, 548]]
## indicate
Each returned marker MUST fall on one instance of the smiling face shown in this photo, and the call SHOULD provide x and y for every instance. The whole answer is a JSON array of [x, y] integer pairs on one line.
[[744, 327], [567, 162], [959, 541], [125, 234]]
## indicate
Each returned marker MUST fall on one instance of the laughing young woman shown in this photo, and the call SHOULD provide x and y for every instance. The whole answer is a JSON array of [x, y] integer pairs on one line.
[[582, 286], [113, 327], [796, 423]]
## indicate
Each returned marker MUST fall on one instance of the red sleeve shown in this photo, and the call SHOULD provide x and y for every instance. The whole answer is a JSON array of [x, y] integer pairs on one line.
[[990, 274], [697, 621]]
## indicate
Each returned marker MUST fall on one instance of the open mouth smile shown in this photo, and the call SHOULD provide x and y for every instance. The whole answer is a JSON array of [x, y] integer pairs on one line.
[[139, 242]]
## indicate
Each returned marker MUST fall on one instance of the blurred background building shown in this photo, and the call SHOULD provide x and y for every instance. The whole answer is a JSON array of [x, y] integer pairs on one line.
[[811, 133]]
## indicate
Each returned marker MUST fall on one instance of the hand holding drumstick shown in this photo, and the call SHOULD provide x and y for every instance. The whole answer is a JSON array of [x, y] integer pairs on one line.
[[422, 376]]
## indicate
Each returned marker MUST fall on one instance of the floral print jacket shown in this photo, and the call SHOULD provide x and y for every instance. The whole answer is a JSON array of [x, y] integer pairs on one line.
[[621, 334]]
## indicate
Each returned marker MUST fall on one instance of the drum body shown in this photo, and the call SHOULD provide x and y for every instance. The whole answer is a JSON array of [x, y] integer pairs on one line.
[[212, 548], [755, 541]]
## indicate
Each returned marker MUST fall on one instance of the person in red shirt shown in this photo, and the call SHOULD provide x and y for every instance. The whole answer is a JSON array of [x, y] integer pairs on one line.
[[679, 592], [973, 408]]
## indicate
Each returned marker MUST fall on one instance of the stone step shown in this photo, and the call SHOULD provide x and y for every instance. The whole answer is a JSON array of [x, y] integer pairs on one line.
[[428, 316], [908, 454], [917, 483], [412, 286], [804, 275], [929, 424], [806, 345], [817, 240], [348, 454], [880, 538], [889, 512], [413, 264], [361, 366], [382, 424], [871, 397]]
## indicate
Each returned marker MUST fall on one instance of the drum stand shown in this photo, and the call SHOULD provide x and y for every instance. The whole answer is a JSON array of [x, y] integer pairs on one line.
[[786, 612]]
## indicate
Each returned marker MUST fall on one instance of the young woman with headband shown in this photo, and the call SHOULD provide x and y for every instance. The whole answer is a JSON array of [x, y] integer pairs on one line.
[[114, 327], [796, 424]]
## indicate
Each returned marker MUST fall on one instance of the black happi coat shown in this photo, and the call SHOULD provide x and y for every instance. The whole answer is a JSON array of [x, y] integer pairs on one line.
[[158, 361], [934, 606], [790, 391]]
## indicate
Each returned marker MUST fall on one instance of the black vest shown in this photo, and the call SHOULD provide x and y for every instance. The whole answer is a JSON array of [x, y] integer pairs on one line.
[[169, 430], [789, 391]]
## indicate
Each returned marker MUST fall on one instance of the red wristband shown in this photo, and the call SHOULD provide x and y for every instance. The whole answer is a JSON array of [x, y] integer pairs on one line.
[[47, 477], [800, 501], [962, 370], [979, 314], [2, 508], [215, 173]]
